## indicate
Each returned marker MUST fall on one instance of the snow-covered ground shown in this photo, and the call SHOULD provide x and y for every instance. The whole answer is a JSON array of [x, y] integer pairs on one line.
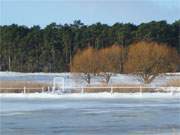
[[89, 95], [71, 79]]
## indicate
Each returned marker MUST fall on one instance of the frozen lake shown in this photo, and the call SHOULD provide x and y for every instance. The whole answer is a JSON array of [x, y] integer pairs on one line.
[[89, 116]]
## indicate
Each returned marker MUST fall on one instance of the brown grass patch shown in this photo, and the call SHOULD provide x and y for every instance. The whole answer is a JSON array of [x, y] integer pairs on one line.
[[174, 83], [18, 86], [120, 90]]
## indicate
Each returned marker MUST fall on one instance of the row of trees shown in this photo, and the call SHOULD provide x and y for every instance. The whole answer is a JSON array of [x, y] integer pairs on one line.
[[145, 59], [51, 49]]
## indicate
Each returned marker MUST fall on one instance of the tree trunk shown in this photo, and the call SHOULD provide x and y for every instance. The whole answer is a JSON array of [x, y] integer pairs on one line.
[[107, 77], [9, 63], [87, 78]]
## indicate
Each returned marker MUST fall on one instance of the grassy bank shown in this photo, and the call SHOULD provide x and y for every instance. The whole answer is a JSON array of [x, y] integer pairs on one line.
[[18, 86]]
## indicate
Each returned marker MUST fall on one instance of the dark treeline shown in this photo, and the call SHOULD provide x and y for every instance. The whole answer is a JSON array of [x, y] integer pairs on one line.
[[51, 49]]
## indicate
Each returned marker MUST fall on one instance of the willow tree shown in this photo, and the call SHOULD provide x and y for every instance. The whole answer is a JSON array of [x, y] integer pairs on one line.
[[149, 59], [111, 61], [85, 62]]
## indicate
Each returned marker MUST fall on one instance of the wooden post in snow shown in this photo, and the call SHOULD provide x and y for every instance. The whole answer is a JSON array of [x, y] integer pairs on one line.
[[111, 90], [140, 90], [24, 90]]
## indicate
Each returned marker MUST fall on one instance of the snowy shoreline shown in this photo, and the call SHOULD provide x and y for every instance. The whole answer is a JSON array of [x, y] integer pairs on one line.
[[88, 95]]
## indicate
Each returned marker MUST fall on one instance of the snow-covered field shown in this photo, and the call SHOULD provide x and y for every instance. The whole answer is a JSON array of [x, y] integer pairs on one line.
[[70, 79]]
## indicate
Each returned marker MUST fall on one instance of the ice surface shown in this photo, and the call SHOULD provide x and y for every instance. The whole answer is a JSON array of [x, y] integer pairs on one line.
[[90, 113], [90, 95]]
